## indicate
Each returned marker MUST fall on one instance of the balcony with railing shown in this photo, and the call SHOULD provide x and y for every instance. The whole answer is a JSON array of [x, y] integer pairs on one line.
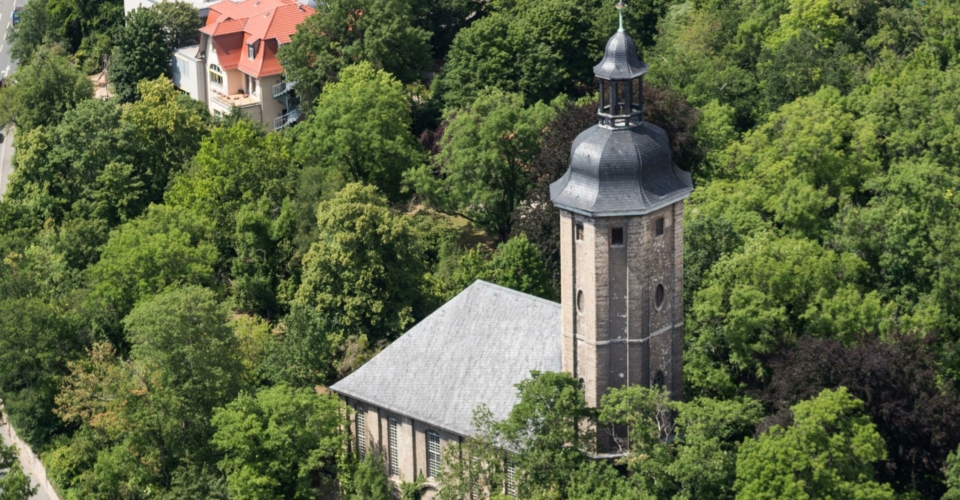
[[238, 100], [286, 120], [282, 88]]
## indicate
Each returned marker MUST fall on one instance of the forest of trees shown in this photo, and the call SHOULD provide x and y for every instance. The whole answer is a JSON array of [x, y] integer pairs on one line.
[[176, 289]]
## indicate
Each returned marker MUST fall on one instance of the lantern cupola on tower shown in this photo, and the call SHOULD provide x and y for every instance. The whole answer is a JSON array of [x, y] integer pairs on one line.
[[622, 165]]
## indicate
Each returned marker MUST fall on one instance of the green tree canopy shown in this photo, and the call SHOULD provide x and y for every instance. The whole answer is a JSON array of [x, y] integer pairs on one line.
[[280, 443], [166, 246], [236, 165], [14, 483], [140, 53], [766, 296], [37, 340], [360, 132], [364, 276], [344, 32], [479, 173], [828, 452], [516, 264], [43, 89], [181, 24], [183, 359]]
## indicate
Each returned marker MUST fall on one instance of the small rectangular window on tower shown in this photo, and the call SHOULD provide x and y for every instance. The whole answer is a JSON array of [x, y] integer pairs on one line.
[[659, 226], [616, 236], [579, 231]]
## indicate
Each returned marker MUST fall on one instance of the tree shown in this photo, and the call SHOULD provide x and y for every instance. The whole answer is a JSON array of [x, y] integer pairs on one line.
[[167, 246], [953, 477], [344, 32], [14, 483], [544, 432], [364, 277], [236, 165], [37, 341], [31, 32], [709, 432], [44, 89], [647, 414], [301, 356], [166, 129], [903, 391], [479, 173], [767, 295], [181, 24], [537, 49], [103, 164], [546, 437], [489, 55], [360, 132], [369, 481], [515, 264], [141, 53], [152, 411], [828, 451], [282, 443]]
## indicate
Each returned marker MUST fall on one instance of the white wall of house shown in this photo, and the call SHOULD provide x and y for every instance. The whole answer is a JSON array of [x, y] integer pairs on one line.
[[272, 108], [202, 5], [189, 74]]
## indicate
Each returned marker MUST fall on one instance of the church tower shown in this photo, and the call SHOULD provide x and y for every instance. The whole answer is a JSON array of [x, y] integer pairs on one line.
[[621, 240]]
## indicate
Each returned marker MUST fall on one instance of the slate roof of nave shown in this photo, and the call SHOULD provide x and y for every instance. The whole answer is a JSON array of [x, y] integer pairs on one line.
[[471, 351]]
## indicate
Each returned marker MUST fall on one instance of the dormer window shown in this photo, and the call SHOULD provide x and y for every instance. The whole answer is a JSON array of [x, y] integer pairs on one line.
[[252, 50]]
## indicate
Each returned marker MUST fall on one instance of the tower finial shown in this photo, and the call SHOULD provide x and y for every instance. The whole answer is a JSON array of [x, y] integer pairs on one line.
[[620, 7]]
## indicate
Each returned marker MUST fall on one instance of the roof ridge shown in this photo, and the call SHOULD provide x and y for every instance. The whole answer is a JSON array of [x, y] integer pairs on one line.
[[509, 290]]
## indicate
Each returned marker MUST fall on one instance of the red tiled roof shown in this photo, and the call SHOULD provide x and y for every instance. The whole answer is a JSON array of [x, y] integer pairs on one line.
[[268, 22]]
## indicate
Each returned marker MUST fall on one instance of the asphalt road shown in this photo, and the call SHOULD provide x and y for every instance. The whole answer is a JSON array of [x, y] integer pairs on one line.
[[7, 67]]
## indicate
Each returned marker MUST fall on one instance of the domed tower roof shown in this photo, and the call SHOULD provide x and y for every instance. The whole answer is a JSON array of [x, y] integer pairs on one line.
[[620, 59], [623, 165]]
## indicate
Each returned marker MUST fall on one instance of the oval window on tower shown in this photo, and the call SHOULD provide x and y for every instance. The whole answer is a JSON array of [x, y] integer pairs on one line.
[[658, 297], [580, 300]]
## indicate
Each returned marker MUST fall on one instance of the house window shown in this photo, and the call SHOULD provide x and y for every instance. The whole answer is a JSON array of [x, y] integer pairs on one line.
[[392, 443], [216, 75], [361, 433], [433, 454], [616, 236], [252, 50], [579, 231], [474, 480], [659, 226], [511, 478], [659, 296]]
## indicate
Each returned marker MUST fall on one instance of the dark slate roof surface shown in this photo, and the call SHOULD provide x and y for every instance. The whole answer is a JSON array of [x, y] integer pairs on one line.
[[473, 350], [623, 171], [620, 59]]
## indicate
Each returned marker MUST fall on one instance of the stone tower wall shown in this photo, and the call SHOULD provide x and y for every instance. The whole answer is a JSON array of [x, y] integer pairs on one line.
[[619, 337]]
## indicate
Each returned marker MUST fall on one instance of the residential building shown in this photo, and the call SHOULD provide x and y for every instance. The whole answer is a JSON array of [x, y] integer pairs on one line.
[[620, 317], [239, 44]]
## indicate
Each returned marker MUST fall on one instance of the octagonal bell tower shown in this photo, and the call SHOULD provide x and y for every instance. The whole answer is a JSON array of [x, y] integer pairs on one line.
[[621, 235]]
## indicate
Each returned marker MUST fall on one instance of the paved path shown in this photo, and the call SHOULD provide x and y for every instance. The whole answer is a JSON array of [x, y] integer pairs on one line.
[[31, 465], [7, 67]]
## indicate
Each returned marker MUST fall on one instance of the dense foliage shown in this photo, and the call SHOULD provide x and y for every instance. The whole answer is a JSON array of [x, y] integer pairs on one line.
[[176, 289]]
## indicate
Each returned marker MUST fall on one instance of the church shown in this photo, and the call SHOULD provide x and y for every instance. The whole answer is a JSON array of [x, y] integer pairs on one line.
[[620, 317]]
